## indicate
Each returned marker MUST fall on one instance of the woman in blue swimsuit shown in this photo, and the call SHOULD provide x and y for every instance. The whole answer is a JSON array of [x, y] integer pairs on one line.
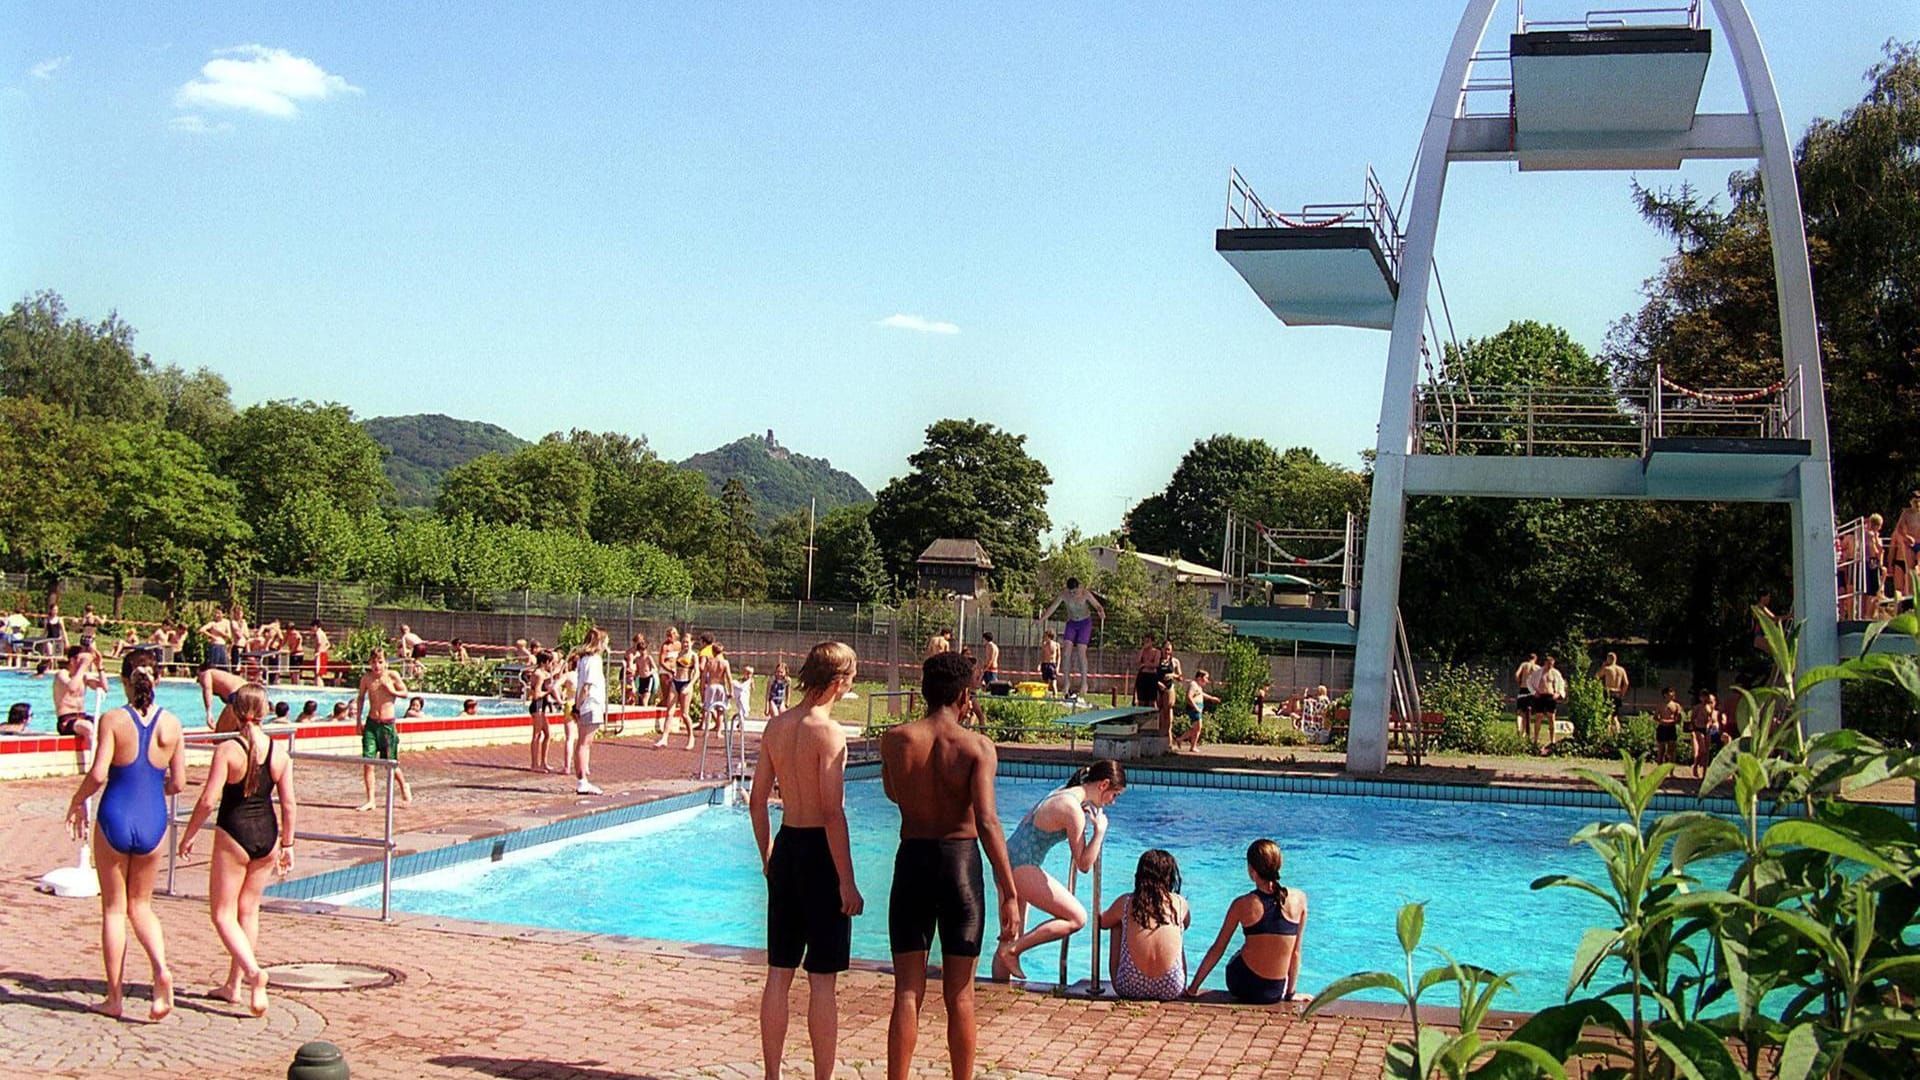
[[1076, 813], [251, 842], [136, 764], [1267, 967]]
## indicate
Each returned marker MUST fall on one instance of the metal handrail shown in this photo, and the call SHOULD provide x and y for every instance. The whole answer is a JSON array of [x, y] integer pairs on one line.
[[1373, 210], [1094, 984], [385, 843], [1528, 420], [1606, 18]]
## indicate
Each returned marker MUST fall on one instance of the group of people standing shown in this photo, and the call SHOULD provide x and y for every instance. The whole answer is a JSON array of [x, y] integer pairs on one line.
[[940, 773], [248, 792], [573, 688]]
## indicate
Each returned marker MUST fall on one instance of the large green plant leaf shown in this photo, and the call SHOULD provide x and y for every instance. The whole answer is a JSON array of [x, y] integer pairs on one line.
[[1353, 984], [1813, 834], [1595, 946], [1696, 1051]]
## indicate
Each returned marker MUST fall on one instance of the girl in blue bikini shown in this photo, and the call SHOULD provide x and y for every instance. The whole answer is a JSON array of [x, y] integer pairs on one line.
[[1270, 918], [1077, 814], [136, 764]]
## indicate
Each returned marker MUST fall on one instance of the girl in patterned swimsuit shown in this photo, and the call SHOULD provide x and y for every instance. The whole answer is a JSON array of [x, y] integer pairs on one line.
[[251, 841], [1076, 813], [1149, 961]]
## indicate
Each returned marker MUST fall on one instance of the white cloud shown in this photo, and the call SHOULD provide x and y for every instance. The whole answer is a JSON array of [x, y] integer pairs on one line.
[[197, 125], [45, 69], [918, 324], [257, 79]]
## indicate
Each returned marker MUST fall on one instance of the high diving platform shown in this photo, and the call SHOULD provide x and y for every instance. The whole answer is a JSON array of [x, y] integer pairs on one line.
[[1331, 264], [1611, 90], [1292, 584]]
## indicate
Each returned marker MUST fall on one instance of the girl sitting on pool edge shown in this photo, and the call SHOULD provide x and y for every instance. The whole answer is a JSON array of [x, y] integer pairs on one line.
[[1149, 960], [1267, 967]]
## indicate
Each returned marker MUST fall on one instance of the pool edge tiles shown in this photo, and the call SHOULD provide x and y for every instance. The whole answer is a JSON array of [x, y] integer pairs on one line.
[[1429, 791], [348, 879]]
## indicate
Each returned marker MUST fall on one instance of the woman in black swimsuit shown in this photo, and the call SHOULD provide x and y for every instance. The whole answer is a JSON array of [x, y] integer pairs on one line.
[[250, 843]]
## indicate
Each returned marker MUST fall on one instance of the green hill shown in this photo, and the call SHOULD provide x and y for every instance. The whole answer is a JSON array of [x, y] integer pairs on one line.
[[778, 479], [422, 448]]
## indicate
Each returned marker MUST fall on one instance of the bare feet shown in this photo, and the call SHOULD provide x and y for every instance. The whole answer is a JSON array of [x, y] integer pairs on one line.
[[162, 996], [1006, 963], [112, 1007], [368, 805], [229, 993], [257, 993]]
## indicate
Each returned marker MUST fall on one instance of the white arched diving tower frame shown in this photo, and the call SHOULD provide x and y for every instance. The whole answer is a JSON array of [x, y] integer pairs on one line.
[[1450, 135]]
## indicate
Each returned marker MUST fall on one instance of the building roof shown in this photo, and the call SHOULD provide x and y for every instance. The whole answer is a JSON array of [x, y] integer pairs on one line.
[[1190, 573], [956, 552]]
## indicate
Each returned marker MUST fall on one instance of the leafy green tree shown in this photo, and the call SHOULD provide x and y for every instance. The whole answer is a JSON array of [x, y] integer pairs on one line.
[[1711, 318], [163, 513], [970, 481], [277, 450], [198, 405], [50, 470], [783, 551], [548, 485], [480, 489], [309, 536], [847, 563], [1188, 518], [89, 369]]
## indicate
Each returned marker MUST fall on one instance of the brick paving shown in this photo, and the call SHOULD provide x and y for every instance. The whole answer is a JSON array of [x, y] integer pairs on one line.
[[477, 1000]]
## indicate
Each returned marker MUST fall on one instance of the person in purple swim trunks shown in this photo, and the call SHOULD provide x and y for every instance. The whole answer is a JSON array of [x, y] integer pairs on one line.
[[1078, 605]]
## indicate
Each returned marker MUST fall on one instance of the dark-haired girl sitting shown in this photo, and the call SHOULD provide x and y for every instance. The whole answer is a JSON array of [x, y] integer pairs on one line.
[[1149, 960], [1076, 813], [1267, 967]]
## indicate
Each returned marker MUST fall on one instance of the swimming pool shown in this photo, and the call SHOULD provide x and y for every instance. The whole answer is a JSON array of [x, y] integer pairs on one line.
[[694, 876], [182, 698]]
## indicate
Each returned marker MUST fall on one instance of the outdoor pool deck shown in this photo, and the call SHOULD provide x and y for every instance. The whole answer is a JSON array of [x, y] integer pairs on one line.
[[477, 999]]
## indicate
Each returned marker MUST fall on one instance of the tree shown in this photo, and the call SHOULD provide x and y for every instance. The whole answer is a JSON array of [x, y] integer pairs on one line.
[[1188, 518], [163, 513], [197, 405], [846, 559], [278, 451], [548, 485], [783, 551], [50, 470], [742, 574], [88, 369], [970, 481], [1711, 317]]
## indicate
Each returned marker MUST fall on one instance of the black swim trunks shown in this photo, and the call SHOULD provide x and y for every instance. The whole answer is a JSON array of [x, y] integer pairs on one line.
[[937, 883], [804, 921], [1666, 733], [66, 722]]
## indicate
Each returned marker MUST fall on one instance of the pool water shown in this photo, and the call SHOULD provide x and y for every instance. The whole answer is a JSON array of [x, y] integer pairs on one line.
[[182, 698], [695, 877]]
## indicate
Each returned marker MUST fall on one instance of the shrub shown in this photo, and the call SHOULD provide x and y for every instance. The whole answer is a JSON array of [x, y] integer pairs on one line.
[[1587, 709], [1503, 738], [573, 635], [1470, 699], [479, 678], [1012, 719], [362, 644]]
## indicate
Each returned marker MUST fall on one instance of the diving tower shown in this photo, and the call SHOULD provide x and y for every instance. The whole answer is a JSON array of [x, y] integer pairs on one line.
[[1613, 90]]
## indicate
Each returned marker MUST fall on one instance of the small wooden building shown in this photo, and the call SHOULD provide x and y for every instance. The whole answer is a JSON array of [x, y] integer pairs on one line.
[[954, 566]]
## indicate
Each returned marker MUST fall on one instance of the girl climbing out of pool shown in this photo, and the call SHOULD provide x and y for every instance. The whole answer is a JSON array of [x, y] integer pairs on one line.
[[1149, 960], [1076, 813], [136, 764], [1267, 967], [251, 841]]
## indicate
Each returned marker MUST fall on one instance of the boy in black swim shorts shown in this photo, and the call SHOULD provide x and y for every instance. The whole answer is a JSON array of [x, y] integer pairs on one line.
[[811, 895], [941, 775]]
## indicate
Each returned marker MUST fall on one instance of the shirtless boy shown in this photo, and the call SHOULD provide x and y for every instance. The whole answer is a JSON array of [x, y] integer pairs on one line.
[[1613, 678], [1666, 727], [811, 896], [716, 689], [1050, 661], [941, 775], [216, 683], [412, 648], [380, 687], [938, 643], [70, 695]]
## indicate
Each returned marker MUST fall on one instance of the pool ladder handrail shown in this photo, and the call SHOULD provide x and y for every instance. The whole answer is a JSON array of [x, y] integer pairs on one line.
[[385, 843], [1094, 986]]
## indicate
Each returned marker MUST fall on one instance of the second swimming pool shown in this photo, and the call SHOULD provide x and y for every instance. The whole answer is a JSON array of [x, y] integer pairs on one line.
[[695, 877]]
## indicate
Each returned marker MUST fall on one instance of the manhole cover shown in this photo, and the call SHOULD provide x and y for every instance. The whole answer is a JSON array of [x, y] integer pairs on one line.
[[325, 975]]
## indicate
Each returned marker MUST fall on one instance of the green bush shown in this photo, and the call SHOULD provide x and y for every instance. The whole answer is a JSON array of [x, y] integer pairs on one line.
[[1587, 709], [573, 635], [1503, 738], [481, 678], [362, 644], [1471, 701], [1013, 719]]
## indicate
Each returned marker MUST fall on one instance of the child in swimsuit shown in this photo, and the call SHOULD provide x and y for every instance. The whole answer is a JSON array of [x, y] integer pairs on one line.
[[1267, 967], [777, 689], [251, 844], [1149, 960], [1075, 813], [136, 765]]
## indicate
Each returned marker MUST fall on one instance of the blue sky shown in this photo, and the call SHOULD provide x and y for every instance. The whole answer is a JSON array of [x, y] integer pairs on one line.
[[699, 221]]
